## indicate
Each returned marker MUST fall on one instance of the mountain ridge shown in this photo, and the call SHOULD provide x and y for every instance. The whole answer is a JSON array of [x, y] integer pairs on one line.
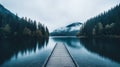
[[5, 11], [68, 30]]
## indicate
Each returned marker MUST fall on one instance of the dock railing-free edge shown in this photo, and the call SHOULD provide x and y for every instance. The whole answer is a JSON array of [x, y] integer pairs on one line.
[[46, 61], [72, 58], [44, 65]]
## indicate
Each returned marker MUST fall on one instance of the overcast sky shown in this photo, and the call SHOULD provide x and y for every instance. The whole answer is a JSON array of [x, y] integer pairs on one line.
[[57, 13]]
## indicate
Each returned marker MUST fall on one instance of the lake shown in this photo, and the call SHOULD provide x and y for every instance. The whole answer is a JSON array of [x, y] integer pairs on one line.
[[87, 52]]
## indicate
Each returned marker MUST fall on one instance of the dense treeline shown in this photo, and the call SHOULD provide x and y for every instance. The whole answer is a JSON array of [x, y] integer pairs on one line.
[[11, 26], [105, 24]]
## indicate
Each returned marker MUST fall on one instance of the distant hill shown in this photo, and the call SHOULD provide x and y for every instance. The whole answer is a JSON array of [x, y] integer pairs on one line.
[[69, 30]]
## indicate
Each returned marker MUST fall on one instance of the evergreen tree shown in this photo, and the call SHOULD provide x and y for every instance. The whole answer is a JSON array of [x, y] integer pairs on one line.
[[107, 23]]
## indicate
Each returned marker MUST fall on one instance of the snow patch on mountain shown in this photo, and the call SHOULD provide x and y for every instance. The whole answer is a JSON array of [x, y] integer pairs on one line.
[[69, 30]]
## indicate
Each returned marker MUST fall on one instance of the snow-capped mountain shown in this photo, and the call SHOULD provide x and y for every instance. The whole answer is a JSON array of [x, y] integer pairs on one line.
[[69, 30]]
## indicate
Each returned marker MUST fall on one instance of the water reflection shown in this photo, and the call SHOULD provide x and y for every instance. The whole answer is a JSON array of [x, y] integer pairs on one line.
[[93, 52], [106, 47], [86, 52], [69, 41], [10, 48]]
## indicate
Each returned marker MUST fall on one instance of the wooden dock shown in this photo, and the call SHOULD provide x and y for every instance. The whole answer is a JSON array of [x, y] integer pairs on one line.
[[60, 57]]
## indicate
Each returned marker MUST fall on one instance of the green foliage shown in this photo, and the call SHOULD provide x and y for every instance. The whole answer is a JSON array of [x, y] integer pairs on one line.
[[27, 31], [107, 23], [13, 26], [38, 34], [7, 28]]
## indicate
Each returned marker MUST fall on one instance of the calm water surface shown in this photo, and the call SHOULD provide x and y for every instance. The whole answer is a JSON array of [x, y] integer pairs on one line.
[[86, 52]]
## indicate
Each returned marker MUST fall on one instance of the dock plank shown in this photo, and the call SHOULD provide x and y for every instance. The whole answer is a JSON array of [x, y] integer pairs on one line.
[[60, 57]]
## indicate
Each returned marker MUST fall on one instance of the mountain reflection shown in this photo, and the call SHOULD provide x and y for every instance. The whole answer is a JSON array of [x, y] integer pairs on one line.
[[9, 48], [106, 47], [69, 41]]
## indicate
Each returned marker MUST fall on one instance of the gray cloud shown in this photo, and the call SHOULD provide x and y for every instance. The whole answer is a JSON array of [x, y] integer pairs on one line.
[[57, 13]]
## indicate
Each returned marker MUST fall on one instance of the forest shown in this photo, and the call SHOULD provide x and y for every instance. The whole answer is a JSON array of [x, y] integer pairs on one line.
[[105, 24], [12, 26]]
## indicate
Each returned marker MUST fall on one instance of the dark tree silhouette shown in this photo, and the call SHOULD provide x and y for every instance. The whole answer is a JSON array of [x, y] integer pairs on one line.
[[105, 24], [11, 26]]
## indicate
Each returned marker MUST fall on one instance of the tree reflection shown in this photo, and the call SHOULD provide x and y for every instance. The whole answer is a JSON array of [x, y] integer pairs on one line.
[[103, 46], [10, 47]]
